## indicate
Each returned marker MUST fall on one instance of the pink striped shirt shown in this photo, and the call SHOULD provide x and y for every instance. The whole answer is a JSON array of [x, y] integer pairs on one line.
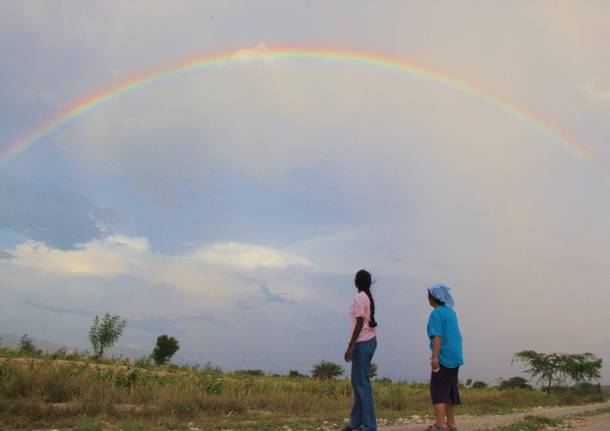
[[361, 307]]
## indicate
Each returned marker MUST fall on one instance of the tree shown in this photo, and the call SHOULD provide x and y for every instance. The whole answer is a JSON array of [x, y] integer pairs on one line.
[[373, 370], [295, 374], [27, 346], [105, 332], [558, 367], [327, 370], [514, 383], [165, 349]]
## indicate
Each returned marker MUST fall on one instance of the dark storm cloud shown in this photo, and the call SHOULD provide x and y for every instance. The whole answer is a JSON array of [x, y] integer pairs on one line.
[[265, 296], [56, 309], [50, 214]]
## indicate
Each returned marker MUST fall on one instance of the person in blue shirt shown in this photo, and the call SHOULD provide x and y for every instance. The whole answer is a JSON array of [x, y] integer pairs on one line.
[[447, 357]]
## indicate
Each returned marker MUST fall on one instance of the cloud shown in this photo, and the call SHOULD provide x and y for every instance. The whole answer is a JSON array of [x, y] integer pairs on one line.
[[56, 309], [265, 296], [111, 255], [51, 214], [246, 53], [219, 272], [596, 93], [248, 256]]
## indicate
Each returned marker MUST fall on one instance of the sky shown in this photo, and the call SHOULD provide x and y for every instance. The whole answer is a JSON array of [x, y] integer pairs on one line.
[[230, 207]]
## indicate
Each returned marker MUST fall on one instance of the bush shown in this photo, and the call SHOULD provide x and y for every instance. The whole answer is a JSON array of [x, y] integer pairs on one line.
[[209, 368], [252, 373], [479, 385], [385, 380], [327, 370], [587, 388], [294, 374], [145, 362], [164, 350], [373, 370], [515, 383]]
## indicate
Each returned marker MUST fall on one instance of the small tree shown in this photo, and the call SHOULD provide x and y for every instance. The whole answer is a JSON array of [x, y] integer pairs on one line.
[[327, 370], [105, 332], [373, 370], [557, 367], [165, 349], [27, 346]]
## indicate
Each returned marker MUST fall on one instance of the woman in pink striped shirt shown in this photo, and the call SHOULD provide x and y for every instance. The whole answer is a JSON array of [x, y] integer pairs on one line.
[[360, 351]]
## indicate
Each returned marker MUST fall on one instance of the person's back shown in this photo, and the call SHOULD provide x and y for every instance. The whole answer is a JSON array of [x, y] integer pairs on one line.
[[444, 323], [446, 346]]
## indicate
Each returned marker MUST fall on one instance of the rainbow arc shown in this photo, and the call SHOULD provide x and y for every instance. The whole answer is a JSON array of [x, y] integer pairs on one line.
[[200, 63]]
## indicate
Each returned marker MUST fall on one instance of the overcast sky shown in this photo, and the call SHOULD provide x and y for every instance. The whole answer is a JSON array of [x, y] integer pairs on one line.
[[231, 207]]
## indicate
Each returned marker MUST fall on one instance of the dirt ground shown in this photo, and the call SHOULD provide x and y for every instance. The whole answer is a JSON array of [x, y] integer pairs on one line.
[[474, 423]]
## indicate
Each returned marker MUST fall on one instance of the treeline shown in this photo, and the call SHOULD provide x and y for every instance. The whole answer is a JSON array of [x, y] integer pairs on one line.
[[551, 371]]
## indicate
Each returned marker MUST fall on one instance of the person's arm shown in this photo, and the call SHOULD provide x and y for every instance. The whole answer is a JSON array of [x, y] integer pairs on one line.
[[355, 335], [436, 350]]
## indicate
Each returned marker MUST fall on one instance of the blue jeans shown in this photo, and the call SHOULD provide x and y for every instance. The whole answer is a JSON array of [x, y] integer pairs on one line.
[[363, 412]]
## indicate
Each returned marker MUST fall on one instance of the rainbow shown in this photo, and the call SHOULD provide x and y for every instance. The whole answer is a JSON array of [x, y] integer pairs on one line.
[[207, 61]]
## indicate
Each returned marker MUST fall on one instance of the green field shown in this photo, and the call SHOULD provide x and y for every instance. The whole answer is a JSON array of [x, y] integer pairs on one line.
[[83, 395]]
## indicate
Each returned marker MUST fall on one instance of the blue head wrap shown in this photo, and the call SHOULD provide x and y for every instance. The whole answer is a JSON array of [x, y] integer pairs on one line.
[[442, 293]]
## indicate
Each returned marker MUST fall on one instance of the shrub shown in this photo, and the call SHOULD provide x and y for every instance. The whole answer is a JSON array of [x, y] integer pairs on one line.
[[327, 370], [373, 370], [164, 350], [145, 362], [587, 388], [294, 374], [514, 383], [479, 385], [253, 373]]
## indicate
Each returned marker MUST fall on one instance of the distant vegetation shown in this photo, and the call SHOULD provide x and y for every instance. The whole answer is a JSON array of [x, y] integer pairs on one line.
[[27, 347], [327, 370], [40, 389], [558, 368], [164, 350], [105, 332], [515, 383]]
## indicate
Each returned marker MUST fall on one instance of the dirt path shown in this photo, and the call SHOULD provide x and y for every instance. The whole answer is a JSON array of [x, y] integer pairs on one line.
[[600, 423], [474, 423], [593, 423]]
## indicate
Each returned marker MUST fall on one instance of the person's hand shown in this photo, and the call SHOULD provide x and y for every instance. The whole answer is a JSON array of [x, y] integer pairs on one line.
[[348, 353], [434, 363]]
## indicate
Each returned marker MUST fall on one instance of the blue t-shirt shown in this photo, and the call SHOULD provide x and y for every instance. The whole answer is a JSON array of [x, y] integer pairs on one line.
[[443, 323]]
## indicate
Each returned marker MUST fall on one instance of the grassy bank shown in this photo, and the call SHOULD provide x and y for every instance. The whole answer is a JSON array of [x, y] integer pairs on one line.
[[43, 392]]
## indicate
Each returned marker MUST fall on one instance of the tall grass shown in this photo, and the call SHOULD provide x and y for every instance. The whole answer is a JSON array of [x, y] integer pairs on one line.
[[43, 389]]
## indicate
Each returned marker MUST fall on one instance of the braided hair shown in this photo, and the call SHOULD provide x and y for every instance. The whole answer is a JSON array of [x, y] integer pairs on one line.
[[363, 284]]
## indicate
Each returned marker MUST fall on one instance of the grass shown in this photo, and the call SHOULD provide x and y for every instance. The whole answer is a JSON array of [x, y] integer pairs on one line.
[[82, 395], [536, 423], [531, 423]]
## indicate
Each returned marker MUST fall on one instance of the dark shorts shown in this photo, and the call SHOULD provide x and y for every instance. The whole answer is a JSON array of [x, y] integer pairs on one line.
[[444, 386]]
